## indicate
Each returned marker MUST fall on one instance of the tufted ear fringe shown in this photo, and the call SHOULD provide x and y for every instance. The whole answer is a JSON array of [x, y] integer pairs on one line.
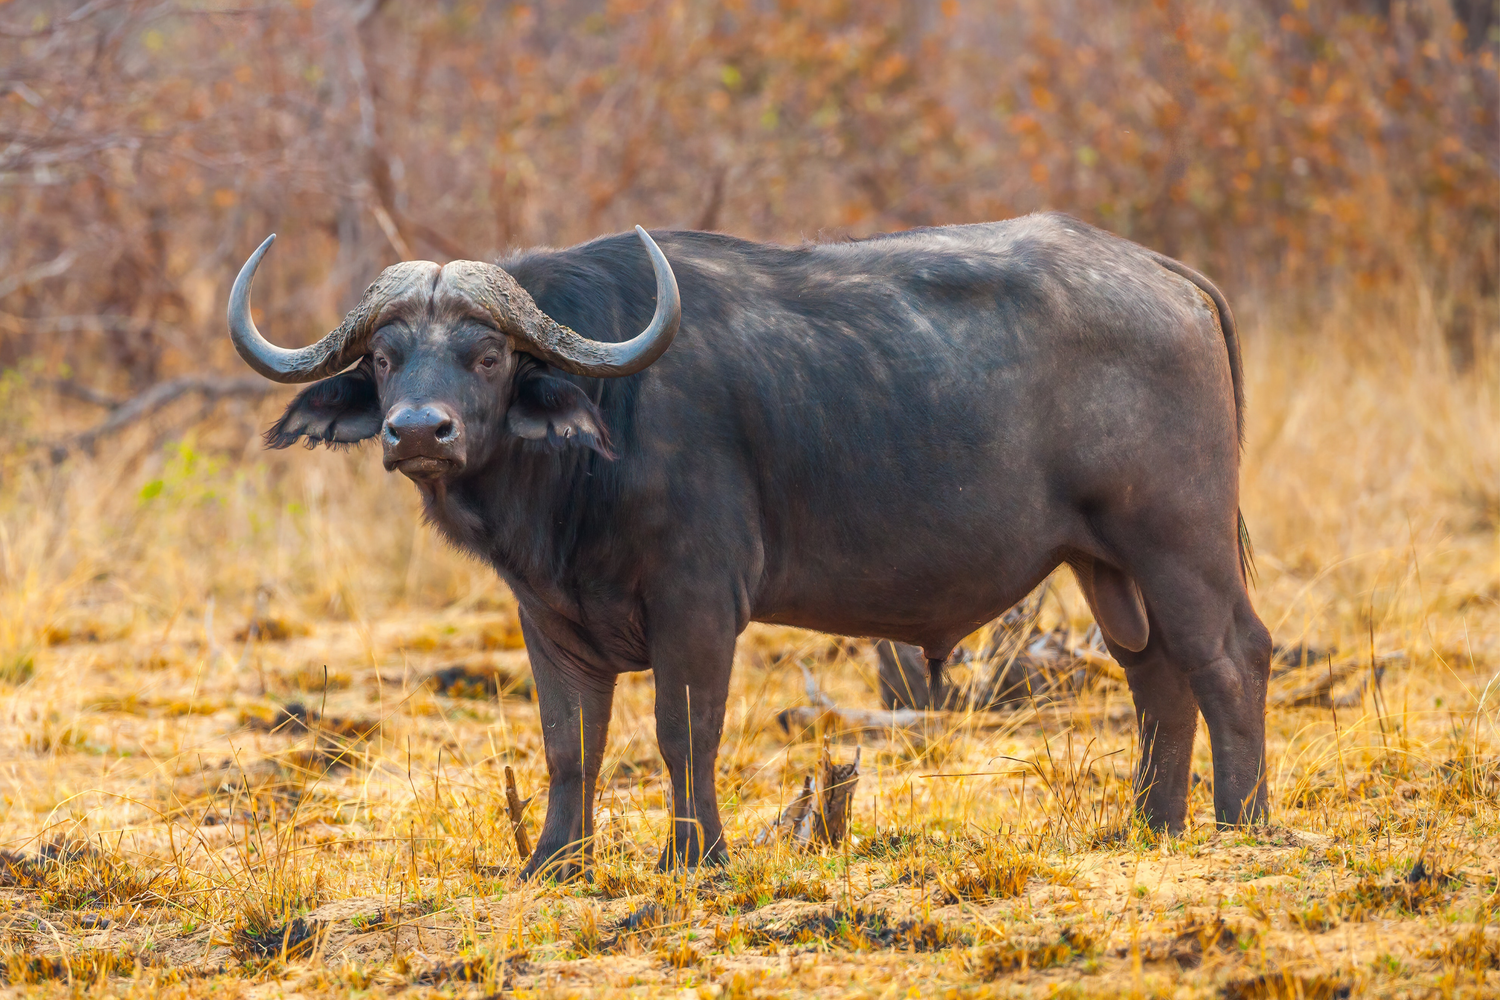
[[337, 412], [556, 413]]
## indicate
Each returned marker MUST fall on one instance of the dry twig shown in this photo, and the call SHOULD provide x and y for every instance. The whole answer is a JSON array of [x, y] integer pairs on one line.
[[516, 808]]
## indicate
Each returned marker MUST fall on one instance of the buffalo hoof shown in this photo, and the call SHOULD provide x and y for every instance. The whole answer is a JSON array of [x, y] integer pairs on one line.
[[1250, 818], [1174, 824], [559, 868], [671, 860]]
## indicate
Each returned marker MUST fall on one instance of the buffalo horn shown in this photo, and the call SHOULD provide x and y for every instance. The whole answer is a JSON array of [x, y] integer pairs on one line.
[[509, 305], [335, 352], [513, 311]]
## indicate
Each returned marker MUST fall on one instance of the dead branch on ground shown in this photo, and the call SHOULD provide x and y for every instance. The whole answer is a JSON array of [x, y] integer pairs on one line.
[[826, 713], [1318, 693]]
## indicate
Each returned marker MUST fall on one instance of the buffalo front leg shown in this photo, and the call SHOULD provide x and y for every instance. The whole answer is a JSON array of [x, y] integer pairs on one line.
[[691, 656], [575, 706]]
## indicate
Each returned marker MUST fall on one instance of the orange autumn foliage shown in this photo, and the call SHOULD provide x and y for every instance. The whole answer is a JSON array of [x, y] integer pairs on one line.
[[1281, 145]]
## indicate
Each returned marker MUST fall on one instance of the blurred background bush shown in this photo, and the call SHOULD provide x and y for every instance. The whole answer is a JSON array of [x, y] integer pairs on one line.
[[1299, 151]]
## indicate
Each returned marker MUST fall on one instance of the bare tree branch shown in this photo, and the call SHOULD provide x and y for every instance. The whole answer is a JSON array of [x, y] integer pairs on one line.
[[87, 10], [40, 272], [213, 388], [367, 9], [88, 394]]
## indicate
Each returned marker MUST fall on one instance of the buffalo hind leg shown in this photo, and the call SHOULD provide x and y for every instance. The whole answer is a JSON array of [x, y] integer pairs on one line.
[[1166, 710], [1210, 652], [1231, 690], [692, 652], [575, 706]]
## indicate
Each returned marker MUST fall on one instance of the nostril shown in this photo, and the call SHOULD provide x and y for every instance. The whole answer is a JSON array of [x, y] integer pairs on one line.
[[445, 431], [391, 434]]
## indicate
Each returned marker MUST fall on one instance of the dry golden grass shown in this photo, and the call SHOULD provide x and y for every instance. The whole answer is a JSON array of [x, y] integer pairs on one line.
[[177, 832]]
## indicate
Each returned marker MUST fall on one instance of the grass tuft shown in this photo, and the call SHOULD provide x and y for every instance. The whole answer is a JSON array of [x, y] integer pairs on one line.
[[262, 937], [1288, 986], [996, 874], [80, 967], [863, 929], [1475, 949], [996, 960], [81, 877]]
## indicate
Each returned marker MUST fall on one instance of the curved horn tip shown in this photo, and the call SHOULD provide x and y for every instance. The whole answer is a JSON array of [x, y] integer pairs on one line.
[[577, 355], [251, 265], [666, 281], [646, 239], [277, 364], [265, 245]]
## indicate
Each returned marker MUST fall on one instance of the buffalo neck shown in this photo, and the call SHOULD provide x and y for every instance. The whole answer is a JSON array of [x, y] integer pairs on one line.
[[528, 512]]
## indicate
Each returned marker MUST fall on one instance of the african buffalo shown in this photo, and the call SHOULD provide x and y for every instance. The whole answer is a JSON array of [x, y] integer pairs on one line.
[[898, 437]]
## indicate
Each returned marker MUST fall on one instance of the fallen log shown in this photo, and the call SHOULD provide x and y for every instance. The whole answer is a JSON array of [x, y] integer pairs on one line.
[[1019, 665], [903, 676], [854, 721], [824, 716]]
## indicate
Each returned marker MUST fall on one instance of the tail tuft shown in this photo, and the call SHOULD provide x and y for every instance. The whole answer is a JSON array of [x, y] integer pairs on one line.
[[1247, 552]]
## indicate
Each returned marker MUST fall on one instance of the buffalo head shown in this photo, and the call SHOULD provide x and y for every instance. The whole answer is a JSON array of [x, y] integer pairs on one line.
[[444, 362]]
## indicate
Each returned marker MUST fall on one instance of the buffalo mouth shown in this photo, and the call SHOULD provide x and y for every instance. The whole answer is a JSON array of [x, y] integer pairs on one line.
[[423, 467]]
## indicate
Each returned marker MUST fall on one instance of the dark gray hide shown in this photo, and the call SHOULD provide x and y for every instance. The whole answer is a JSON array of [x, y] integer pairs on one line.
[[894, 437]]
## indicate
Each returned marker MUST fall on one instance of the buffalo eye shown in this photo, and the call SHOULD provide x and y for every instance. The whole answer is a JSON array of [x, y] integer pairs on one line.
[[382, 363], [488, 362]]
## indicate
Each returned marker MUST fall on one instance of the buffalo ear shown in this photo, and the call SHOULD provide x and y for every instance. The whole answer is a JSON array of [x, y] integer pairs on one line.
[[339, 410], [556, 411]]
